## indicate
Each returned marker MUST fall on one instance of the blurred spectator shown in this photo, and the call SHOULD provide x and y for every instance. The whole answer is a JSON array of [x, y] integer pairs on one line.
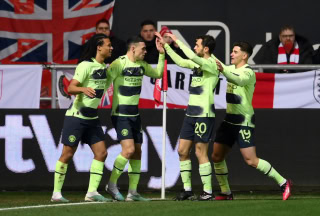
[[164, 34], [119, 46], [148, 28], [289, 48]]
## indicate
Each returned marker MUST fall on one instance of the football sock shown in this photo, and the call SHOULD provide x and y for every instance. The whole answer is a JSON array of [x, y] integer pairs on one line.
[[185, 172], [134, 174], [96, 172], [205, 171], [266, 168], [221, 171], [119, 165], [59, 176]]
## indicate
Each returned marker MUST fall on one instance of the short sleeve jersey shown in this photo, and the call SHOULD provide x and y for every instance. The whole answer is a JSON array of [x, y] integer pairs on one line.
[[90, 74], [127, 79]]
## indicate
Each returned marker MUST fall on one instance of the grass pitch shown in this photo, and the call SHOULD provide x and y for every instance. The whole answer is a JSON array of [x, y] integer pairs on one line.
[[245, 204]]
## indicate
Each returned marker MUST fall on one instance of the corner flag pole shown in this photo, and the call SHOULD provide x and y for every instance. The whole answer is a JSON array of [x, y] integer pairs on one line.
[[164, 129]]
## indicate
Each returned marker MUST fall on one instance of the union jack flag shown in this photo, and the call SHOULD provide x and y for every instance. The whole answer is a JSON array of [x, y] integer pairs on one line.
[[50, 31]]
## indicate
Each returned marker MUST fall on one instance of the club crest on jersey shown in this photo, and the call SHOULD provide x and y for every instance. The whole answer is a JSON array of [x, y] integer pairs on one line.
[[316, 86]]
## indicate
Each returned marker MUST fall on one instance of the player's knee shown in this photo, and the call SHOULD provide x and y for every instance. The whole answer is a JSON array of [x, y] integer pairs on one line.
[[250, 162], [128, 152], [102, 155], [66, 156], [182, 153], [216, 158], [200, 153]]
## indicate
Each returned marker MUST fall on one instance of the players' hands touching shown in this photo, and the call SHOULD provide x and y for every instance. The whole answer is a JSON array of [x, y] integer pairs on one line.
[[90, 92], [173, 37], [219, 66], [162, 42], [159, 46]]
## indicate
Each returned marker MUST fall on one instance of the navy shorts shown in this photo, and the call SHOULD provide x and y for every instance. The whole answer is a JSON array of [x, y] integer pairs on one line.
[[128, 128], [76, 129], [197, 129], [229, 134]]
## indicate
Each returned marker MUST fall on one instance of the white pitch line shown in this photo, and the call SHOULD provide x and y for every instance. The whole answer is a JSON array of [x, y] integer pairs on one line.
[[53, 205], [67, 204]]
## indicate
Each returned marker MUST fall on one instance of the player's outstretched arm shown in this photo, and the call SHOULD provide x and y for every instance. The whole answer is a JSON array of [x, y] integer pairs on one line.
[[155, 72], [186, 63], [240, 77], [187, 51], [174, 56]]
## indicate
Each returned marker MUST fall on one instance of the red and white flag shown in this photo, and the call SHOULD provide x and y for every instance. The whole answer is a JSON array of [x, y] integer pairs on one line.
[[272, 91]]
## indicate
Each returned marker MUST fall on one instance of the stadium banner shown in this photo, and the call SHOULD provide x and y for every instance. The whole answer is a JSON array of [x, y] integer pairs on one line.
[[297, 90], [48, 31], [271, 90], [30, 145], [20, 86]]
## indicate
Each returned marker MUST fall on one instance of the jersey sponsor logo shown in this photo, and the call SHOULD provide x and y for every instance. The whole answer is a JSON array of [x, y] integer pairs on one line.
[[133, 79], [196, 79], [316, 86]]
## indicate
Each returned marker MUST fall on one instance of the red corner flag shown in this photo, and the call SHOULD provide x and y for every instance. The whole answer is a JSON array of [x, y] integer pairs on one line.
[[161, 84]]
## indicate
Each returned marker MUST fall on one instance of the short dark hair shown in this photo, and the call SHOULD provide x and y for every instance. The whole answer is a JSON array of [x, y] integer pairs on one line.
[[90, 51], [208, 41], [148, 22], [244, 46], [286, 27], [133, 40], [102, 21]]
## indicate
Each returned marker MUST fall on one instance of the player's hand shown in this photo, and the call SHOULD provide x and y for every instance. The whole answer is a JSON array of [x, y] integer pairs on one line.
[[162, 42], [173, 37], [219, 66], [90, 92], [159, 46]]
